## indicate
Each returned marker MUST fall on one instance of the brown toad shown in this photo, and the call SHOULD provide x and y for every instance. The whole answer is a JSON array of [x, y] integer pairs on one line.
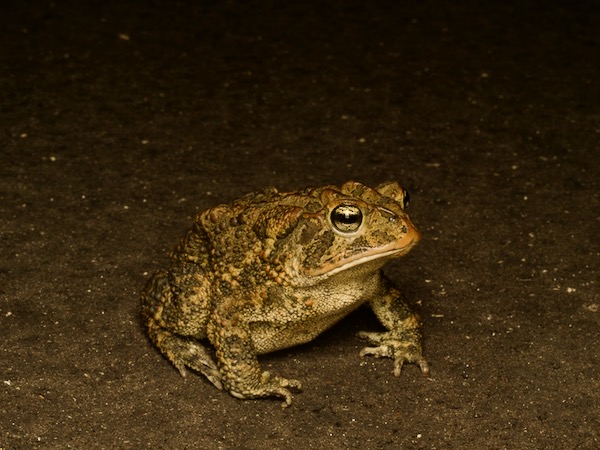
[[272, 270]]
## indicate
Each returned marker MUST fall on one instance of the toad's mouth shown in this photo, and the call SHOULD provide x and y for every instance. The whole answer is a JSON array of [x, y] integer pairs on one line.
[[345, 262]]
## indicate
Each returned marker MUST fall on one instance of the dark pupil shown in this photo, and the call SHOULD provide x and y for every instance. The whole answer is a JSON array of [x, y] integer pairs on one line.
[[346, 218], [406, 201]]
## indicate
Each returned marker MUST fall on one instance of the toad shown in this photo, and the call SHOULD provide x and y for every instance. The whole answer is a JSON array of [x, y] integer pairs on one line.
[[275, 269]]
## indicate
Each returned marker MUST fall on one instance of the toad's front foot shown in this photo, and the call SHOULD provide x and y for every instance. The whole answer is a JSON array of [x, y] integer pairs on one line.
[[268, 386], [401, 347]]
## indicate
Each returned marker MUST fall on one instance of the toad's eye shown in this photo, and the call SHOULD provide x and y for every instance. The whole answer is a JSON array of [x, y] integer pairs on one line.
[[346, 218], [406, 199]]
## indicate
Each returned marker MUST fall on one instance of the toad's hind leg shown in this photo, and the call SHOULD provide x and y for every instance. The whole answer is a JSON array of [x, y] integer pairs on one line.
[[185, 352], [182, 351]]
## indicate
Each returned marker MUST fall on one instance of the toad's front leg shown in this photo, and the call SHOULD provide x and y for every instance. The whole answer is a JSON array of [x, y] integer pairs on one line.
[[238, 364], [402, 341]]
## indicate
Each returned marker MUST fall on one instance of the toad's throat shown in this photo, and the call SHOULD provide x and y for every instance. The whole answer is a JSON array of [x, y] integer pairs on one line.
[[337, 265]]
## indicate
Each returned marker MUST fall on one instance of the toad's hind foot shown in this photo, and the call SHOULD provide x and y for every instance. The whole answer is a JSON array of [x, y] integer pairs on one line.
[[186, 352]]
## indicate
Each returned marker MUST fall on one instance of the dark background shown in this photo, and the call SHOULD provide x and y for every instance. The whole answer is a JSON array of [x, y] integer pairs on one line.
[[120, 119]]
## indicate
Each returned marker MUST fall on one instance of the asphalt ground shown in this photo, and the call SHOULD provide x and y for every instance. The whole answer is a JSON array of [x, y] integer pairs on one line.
[[120, 120]]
